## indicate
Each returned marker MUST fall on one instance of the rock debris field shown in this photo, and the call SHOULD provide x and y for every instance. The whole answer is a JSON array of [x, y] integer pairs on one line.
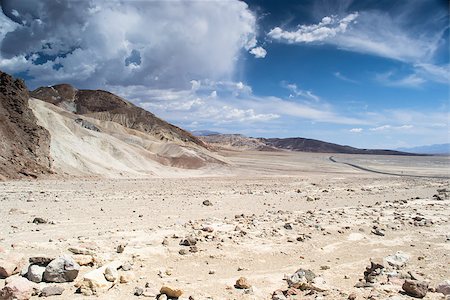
[[333, 234]]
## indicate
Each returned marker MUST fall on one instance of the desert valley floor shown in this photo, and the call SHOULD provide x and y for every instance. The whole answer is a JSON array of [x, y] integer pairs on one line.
[[262, 217]]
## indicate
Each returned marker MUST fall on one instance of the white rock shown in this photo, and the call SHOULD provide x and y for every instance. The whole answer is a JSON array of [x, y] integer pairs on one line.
[[111, 274], [398, 260], [94, 282], [35, 273]]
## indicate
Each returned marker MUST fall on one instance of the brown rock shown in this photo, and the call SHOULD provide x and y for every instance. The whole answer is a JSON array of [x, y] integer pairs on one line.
[[415, 288], [171, 292], [242, 283]]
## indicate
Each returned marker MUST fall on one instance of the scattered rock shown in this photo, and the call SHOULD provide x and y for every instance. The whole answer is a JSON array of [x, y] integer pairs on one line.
[[61, 269], [127, 277], [120, 248], [188, 241], [87, 124], [53, 290], [415, 288], [242, 283], [288, 226], [300, 279], [378, 231], [171, 292], [207, 203], [375, 269], [79, 250], [138, 291], [40, 221], [278, 295]]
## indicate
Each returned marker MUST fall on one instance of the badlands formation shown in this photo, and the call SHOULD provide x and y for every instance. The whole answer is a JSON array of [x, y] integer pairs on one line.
[[110, 202]]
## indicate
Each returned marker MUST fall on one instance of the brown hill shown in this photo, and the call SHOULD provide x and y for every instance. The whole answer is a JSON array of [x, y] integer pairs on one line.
[[24, 145], [311, 145], [103, 105]]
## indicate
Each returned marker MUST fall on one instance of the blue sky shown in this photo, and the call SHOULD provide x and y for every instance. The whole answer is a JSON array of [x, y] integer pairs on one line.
[[371, 74]]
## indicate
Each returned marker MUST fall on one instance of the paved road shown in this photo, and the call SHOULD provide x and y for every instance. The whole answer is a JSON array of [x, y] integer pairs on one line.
[[384, 173]]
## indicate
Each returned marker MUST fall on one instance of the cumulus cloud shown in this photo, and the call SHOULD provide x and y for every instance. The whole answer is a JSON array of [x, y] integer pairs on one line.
[[258, 52], [356, 130], [109, 42], [394, 35], [327, 28]]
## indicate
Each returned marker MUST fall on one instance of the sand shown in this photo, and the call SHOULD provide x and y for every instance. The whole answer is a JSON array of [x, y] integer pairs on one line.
[[253, 198]]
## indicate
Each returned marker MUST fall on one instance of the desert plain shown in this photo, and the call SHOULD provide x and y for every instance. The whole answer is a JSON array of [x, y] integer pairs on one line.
[[262, 216]]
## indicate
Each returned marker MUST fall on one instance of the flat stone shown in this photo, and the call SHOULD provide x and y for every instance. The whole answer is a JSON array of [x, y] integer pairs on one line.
[[40, 260], [53, 290], [80, 250]]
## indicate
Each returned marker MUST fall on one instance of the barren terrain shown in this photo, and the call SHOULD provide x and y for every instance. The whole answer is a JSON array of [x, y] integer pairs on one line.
[[269, 214]]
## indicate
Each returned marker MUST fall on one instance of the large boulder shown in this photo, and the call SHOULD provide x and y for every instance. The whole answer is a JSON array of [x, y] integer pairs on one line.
[[61, 269], [95, 282], [18, 288], [11, 264]]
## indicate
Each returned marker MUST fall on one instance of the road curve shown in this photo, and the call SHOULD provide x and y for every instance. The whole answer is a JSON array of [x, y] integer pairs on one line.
[[331, 158]]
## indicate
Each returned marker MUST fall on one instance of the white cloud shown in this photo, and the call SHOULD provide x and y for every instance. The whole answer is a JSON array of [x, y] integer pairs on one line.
[[411, 80], [390, 127], [343, 77], [258, 52], [187, 40], [297, 92], [356, 130], [390, 35], [433, 72], [329, 27]]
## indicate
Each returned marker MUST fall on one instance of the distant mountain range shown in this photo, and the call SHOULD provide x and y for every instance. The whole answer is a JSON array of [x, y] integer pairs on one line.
[[241, 142], [204, 132], [429, 149]]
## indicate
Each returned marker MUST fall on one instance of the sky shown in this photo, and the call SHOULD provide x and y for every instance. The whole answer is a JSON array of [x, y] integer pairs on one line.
[[370, 74]]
